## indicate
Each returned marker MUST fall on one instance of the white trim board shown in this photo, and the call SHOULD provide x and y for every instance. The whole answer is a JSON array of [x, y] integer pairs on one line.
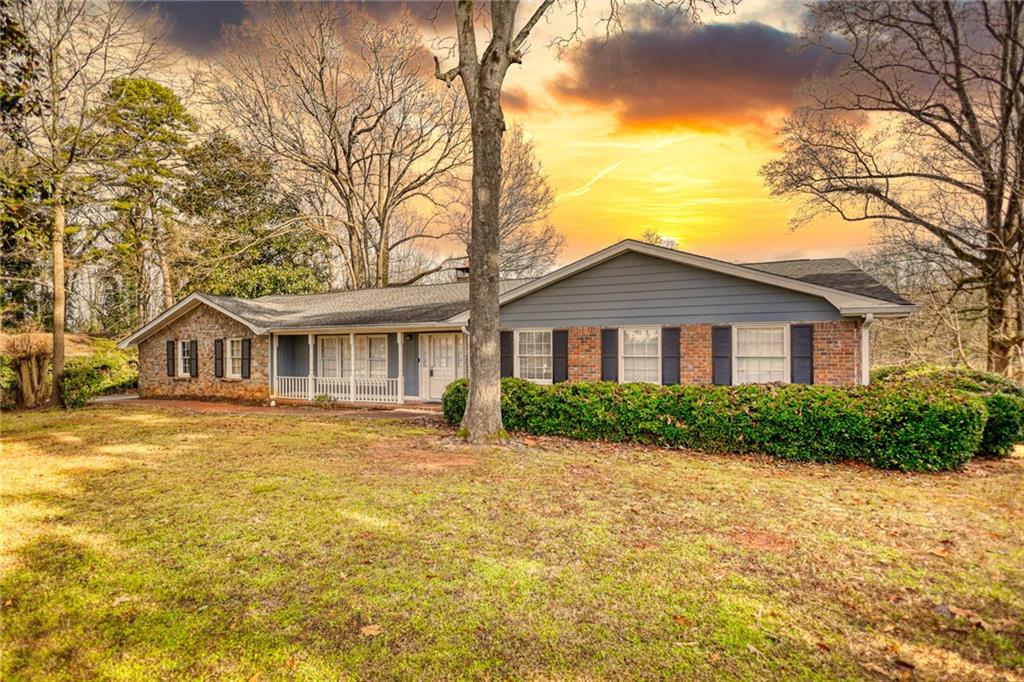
[[177, 310]]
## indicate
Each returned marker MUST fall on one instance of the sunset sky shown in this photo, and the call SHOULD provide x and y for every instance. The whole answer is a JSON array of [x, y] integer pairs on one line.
[[662, 128]]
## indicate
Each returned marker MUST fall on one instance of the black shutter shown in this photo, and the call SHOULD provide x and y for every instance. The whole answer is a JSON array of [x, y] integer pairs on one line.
[[507, 354], [559, 355], [721, 355], [609, 355], [170, 358], [669, 356], [218, 358], [247, 358], [193, 349], [801, 350]]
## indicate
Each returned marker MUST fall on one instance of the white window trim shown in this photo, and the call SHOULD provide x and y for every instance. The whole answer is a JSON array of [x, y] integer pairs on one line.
[[342, 355], [622, 354], [515, 354], [182, 345], [227, 358], [788, 379], [387, 355]]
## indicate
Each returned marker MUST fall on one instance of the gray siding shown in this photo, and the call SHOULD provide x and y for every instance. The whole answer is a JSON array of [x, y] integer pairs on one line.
[[634, 289], [292, 356], [412, 364]]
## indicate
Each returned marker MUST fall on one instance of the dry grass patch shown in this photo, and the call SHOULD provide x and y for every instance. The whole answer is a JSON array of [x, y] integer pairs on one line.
[[143, 542]]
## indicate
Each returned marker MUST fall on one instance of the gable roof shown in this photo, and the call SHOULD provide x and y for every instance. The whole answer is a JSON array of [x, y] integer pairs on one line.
[[851, 300], [851, 290]]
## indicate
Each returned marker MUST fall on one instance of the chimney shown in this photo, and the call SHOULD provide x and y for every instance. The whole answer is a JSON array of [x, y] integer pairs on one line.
[[462, 273]]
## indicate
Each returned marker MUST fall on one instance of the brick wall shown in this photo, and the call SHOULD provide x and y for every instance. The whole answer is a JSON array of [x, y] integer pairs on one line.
[[584, 354], [695, 354], [204, 324], [836, 353]]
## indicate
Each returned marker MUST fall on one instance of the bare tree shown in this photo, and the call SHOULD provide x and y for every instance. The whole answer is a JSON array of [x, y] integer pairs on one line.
[[482, 74], [921, 130], [82, 46], [348, 103], [652, 237], [529, 242]]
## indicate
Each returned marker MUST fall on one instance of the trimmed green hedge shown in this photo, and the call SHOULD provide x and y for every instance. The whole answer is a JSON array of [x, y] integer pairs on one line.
[[107, 370], [1003, 398], [905, 429]]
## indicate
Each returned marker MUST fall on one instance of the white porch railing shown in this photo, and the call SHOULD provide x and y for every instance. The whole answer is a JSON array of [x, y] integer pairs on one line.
[[366, 389], [291, 387]]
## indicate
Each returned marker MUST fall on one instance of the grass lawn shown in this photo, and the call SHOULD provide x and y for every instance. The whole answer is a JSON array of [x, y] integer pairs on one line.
[[159, 543]]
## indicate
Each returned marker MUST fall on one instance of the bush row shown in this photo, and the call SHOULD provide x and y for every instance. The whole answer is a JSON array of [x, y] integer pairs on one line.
[[107, 370], [1004, 399], [893, 428]]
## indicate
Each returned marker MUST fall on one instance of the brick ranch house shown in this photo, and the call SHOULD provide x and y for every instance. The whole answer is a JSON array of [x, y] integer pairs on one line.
[[630, 312]]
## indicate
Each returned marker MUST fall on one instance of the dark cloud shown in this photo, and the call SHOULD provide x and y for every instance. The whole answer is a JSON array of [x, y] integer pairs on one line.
[[708, 76], [196, 26]]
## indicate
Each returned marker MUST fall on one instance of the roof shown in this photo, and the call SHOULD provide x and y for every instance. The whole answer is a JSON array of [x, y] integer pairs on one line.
[[421, 303], [851, 290], [837, 273]]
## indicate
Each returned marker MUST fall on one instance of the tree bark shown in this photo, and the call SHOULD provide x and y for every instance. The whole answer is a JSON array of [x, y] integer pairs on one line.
[[57, 238], [482, 420]]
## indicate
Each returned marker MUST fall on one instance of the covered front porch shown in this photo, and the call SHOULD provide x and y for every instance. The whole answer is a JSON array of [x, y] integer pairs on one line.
[[386, 366]]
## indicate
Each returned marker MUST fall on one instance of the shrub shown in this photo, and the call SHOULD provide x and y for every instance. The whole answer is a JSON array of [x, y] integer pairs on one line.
[[1004, 399], [107, 370], [901, 428], [8, 385]]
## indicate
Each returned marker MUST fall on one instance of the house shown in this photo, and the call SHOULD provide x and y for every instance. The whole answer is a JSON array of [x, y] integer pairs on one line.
[[630, 312]]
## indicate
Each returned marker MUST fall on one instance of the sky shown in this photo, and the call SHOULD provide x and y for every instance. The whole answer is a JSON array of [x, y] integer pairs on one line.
[[662, 128]]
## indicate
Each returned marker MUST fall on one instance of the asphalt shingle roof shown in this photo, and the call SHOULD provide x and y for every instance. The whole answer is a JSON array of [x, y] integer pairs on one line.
[[392, 305], [438, 302], [836, 273]]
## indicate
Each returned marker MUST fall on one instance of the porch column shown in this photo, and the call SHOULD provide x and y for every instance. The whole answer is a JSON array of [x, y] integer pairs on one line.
[[309, 381], [352, 366], [401, 367], [273, 365]]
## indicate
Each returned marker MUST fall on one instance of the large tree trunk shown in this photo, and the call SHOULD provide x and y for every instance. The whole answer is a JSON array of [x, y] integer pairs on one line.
[[999, 321], [482, 421], [58, 289]]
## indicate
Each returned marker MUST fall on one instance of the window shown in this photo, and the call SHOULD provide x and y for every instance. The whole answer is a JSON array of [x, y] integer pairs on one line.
[[761, 354], [184, 358], [372, 356], [335, 357], [640, 355], [533, 355], [234, 358]]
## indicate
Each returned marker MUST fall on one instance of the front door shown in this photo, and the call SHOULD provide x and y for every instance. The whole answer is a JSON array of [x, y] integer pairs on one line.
[[440, 363]]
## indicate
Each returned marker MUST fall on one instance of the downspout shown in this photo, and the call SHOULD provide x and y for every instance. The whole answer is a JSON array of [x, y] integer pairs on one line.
[[865, 349]]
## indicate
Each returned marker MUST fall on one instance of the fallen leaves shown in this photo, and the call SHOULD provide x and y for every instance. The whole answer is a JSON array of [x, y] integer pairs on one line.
[[950, 611], [370, 630]]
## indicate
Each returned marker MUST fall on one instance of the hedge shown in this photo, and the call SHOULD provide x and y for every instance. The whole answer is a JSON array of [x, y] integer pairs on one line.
[[1003, 398], [107, 370], [902, 428]]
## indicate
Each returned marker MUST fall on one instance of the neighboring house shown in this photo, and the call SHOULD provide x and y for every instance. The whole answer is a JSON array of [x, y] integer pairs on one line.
[[630, 312]]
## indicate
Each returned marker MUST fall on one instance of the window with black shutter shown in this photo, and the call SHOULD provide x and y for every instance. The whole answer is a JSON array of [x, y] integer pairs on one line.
[[609, 355], [721, 356], [194, 354], [170, 358], [246, 358], [559, 355], [507, 354], [801, 349], [218, 358], [669, 356]]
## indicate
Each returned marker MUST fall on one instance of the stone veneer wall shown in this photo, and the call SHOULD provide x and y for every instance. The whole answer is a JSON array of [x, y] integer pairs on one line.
[[837, 357], [204, 324]]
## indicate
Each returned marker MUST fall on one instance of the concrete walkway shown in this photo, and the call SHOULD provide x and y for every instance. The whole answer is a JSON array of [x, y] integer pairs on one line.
[[422, 412]]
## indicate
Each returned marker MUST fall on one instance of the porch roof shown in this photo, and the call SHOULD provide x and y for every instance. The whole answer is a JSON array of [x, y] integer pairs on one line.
[[426, 303]]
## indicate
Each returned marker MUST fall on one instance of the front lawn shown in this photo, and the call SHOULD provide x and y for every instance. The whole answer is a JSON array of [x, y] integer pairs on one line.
[[158, 543]]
